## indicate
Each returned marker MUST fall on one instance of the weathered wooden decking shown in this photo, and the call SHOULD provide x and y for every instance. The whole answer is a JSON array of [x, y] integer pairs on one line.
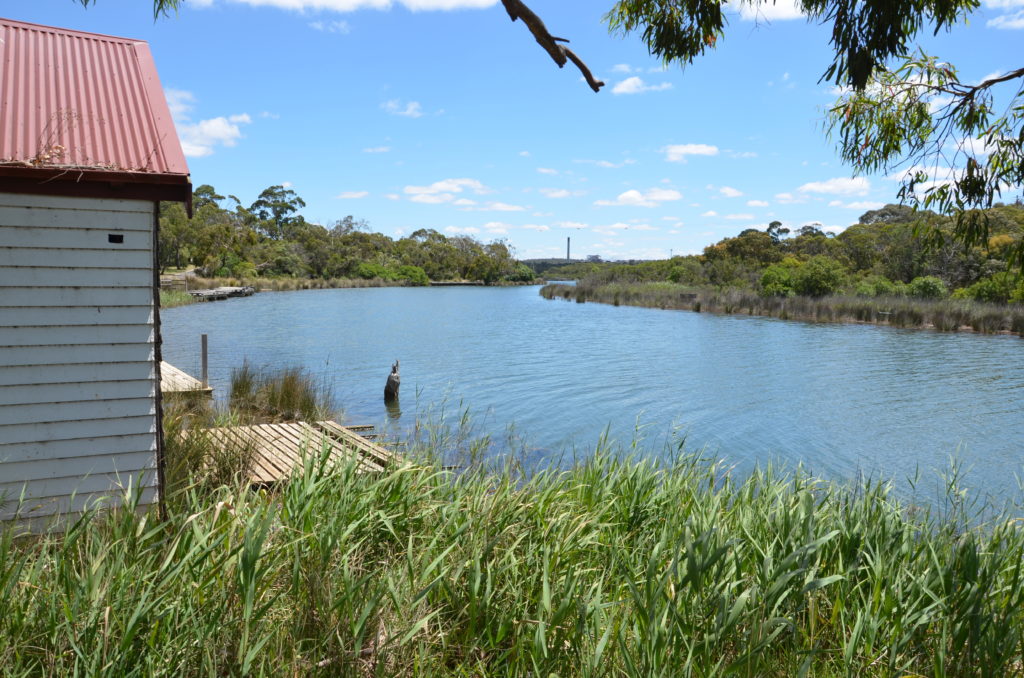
[[219, 293], [277, 449], [174, 381]]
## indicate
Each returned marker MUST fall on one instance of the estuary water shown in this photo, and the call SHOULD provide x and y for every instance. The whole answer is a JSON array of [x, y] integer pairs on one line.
[[841, 400]]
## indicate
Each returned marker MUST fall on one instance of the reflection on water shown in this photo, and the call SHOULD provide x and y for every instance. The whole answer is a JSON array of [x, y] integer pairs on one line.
[[840, 399]]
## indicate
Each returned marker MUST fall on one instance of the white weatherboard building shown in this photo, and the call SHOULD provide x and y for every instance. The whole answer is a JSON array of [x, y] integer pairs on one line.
[[87, 151]]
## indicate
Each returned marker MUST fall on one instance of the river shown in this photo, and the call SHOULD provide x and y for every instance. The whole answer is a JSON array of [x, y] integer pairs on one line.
[[839, 399]]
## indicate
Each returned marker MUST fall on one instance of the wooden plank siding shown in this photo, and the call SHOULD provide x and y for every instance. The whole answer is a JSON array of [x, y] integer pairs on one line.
[[78, 377]]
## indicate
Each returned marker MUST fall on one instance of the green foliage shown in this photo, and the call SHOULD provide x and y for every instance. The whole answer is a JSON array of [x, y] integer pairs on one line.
[[927, 287], [272, 239], [613, 567], [999, 288], [875, 286], [778, 279], [287, 394], [818, 277]]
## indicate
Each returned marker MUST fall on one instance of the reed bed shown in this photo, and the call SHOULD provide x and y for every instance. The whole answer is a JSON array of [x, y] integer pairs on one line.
[[948, 315], [172, 298], [613, 567]]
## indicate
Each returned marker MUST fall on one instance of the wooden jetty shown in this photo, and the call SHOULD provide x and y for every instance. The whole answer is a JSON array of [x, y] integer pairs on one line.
[[277, 449], [219, 293], [176, 382]]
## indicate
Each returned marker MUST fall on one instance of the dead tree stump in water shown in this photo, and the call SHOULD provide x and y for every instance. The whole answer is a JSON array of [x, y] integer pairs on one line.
[[391, 388]]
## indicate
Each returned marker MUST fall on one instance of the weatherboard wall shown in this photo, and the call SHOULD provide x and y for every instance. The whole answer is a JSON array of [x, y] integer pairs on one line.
[[78, 379]]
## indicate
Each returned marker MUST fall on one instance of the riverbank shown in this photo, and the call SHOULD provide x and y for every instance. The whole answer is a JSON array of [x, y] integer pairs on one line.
[[613, 567], [949, 315]]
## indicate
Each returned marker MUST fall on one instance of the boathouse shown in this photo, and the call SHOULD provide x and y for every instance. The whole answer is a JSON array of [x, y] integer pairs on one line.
[[87, 150]]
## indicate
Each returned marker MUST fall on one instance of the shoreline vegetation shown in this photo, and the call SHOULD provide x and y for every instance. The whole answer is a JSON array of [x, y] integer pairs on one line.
[[614, 566], [945, 315]]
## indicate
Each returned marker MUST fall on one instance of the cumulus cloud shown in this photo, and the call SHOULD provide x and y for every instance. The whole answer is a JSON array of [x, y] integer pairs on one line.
[[377, 149], [1010, 20], [730, 192], [572, 224], [634, 198], [497, 227], [556, 192], [710, 213], [444, 191], [468, 230], [537, 227], [352, 195], [757, 203], [199, 139], [739, 217], [547, 170], [838, 186], [787, 198], [494, 207], [621, 68], [680, 152], [411, 109], [636, 85], [607, 164]]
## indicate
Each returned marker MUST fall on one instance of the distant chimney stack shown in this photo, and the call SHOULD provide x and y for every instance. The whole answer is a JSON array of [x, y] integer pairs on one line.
[[567, 242]]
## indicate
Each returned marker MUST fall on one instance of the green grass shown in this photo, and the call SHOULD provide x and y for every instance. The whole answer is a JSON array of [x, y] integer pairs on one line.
[[948, 315], [172, 298], [614, 567], [284, 394]]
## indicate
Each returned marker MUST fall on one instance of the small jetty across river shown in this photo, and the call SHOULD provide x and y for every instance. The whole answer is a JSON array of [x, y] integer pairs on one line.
[[218, 293], [277, 449]]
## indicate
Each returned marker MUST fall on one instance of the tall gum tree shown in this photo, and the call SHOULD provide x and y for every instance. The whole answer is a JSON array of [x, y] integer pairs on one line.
[[899, 110]]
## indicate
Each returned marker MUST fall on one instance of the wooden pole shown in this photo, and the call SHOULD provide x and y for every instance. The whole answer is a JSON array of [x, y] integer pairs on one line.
[[205, 361]]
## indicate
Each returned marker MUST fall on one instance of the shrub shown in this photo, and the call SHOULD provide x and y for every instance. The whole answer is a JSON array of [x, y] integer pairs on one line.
[[927, 287], [995, 289], [818, 277], [414, 275], [777, 279], [875, 286]]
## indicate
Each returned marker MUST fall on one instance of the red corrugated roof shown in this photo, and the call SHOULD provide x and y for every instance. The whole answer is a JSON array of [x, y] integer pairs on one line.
[[82, 100]]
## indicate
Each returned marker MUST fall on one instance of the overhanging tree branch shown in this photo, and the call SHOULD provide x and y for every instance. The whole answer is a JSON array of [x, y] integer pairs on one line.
[[559, 53]]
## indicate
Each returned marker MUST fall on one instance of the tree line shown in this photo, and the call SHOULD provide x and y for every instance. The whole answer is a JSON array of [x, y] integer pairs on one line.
[[884, 254], [271, 238]]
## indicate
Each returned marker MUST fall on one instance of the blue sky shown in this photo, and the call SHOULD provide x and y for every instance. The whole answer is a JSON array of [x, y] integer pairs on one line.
[[444, 114]]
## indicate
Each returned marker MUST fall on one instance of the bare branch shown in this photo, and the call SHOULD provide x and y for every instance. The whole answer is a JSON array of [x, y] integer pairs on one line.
[[559, 54]]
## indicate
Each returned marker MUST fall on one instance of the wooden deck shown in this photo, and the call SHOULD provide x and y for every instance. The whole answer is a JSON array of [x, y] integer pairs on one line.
[[174, 381], [278, 448]]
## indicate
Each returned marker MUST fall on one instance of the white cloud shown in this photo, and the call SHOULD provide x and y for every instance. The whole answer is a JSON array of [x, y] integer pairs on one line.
[[636, 85], [710, 213], [679, 152], [469, 230], [432, 198], [757, 203], [445, 187], [547, 170], [497, 227], [464, 202], [352, 195], [838, 186], [525, 154], [621, 68], [392, 196], [741, 154], [556, 192], [199, 140], [779, 10], [494, 207], [340, 27], [377, 149], [411, 109], [572, 224], [857, 205], [607, 164], [537, 227], [730, 192], [634, 198], [1007, 21], [739, 217], [787, 198]]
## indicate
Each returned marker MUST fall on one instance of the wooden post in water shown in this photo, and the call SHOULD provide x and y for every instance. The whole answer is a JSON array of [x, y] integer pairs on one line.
[[391, 387], [205, 361]]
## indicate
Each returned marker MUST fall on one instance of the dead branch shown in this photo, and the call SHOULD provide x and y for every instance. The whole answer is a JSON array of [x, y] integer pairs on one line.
[[559, 54]]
